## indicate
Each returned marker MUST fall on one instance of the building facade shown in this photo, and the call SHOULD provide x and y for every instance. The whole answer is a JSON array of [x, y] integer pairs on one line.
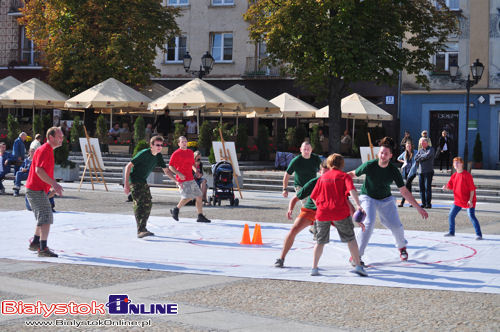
[[217, 26], [444, 107], [18, 56]]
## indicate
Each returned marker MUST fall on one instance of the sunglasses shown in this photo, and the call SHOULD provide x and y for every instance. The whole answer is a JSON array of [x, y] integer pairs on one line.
[[160, 145], [197, 159]]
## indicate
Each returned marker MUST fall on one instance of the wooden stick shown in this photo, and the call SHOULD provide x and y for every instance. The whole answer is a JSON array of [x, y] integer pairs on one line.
[[84, 169], [371, 145], [230, 161], [234, 174]]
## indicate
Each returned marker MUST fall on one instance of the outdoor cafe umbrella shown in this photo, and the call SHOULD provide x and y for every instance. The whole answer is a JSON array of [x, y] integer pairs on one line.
[[292, 107], [255, 105], [195, 94], [33, 94], [155, 90], [357, 107], [110, 95], [8, 83]]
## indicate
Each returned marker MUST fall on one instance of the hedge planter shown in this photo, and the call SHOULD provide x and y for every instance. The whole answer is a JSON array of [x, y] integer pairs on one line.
[[66, 174], [119, 149]]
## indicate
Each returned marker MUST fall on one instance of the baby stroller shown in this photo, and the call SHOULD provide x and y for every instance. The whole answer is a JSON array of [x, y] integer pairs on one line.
[[223, 184]]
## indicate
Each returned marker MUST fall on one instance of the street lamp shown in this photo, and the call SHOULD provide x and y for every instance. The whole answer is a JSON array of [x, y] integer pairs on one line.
[[476, 69], [207, 63]]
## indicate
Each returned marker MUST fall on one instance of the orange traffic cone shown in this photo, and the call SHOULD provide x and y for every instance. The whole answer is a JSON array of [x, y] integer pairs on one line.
[[246, 235], [257, 236]]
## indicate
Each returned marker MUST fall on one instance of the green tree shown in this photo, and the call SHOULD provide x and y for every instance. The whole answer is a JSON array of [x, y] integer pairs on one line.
[[141, 145], [13, 130], [76, 130], [178, 132], [205, 137], [101, 131], [291, 137], [46, 122], [85, 42], [37, 126], [263, 142], [328, 44], [61, 155], [139, 129], [242, 141], [315, 143]]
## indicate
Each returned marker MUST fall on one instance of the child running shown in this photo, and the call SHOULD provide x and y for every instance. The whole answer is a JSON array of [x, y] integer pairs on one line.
[[330, 195], [464, 194], [304, 219]]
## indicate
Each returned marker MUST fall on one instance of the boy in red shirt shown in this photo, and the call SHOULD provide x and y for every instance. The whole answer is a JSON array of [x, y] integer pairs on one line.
[[182, 165], [464, 194], [330, 196]]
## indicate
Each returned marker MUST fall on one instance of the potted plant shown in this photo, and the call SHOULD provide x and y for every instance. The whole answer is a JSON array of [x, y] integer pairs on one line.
[[37, 126], [101, 132], [315, 143], [263, 142], [242, 142], [12, 129], [205, 138], [75, 134], [478, 153], [64, 169], [139, 129]]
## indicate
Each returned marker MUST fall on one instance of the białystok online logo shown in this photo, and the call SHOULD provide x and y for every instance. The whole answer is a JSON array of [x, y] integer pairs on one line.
[[117, 305]]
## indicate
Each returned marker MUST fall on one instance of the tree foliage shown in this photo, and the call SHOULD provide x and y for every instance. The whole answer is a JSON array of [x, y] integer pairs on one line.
[[85, 42], [328, 44], [139, 129]]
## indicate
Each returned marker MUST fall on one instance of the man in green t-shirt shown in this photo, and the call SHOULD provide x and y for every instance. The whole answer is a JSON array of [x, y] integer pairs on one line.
[[376, 197], [136, 175], [305, 166]]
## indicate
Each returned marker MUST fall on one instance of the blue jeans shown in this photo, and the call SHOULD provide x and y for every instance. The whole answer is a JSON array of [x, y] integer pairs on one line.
[[20, 176], [472, 217], [2, 176], [425, 182]]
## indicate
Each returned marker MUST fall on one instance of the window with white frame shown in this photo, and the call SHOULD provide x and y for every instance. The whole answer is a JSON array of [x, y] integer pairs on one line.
[[29, 55], [451, 4], [222, 2], [176, 48], [177, 2], [443, 60], [222, 46]]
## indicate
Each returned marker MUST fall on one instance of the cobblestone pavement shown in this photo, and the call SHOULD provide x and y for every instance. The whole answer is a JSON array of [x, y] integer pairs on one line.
[[215, 303]]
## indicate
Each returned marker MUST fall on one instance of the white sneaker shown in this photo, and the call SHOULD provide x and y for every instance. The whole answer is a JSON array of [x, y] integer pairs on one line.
[[315, 272], [15, 188], [360, 271]]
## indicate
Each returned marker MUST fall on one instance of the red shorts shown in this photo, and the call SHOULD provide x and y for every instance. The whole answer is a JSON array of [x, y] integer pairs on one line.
[[308, 214]]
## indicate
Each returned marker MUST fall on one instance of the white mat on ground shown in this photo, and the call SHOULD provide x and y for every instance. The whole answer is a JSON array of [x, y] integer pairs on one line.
[[460, 263]]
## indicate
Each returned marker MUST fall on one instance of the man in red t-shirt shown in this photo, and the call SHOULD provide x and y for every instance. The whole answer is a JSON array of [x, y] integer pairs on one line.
[[182, 165], [330, 196], [40, 180]]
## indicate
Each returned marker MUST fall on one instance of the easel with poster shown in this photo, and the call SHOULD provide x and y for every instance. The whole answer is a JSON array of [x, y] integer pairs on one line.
[[227, 152], [93, 160]]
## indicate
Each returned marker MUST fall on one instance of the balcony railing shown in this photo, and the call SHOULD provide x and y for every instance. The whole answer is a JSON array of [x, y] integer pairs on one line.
[[15, 6], [255, 67], [14, 58]]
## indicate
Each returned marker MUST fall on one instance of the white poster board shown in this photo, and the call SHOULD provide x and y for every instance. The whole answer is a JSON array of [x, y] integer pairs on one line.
[[95, 143], [366, 153], [231, 150]]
